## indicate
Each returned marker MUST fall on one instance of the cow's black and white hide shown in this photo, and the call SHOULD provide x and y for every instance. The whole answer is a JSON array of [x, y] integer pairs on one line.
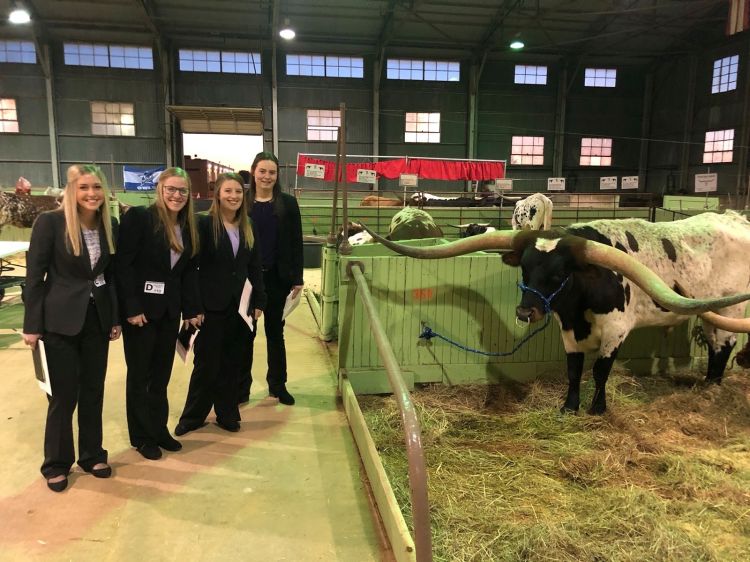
[[692, 266], [22, 210], [532, 213], [423, 199]]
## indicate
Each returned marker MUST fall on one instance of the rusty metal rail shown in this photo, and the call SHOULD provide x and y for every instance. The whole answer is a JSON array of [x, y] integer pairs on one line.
[[412, 430]]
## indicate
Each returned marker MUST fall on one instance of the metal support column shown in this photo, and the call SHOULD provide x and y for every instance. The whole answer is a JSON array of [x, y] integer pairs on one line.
[[46, 61], [744, 138], [560, 108], [648, 97], [687, 131]]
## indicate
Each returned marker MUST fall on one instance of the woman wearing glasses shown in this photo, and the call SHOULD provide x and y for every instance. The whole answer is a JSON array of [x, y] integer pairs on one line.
[[228, 259], [157, 281], [71, 305], [277, 220]]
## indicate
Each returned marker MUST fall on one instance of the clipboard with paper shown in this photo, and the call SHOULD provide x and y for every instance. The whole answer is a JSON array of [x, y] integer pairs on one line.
[[185, 339], [41, 371], [244, 309], [291, 303]]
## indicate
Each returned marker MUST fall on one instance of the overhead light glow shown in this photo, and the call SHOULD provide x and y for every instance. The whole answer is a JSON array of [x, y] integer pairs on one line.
[[19, 16], [287, 33], [516, 45]]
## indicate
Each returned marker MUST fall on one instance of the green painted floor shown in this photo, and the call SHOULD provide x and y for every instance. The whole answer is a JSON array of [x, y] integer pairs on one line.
[[286, 487]]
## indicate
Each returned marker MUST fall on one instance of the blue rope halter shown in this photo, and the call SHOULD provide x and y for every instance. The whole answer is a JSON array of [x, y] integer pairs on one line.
[[427, 333]]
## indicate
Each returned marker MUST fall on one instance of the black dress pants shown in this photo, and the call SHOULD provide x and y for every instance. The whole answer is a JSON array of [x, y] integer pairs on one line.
[[149, 354], [220, 348], [77, 368], [277, 292]]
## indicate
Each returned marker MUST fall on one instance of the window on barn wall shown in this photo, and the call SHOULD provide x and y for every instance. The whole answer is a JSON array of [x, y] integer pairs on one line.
[[422, 127], [112, 56], [112, 119], [17, 51], [8, 116], [530, 74], [325, 65], [323, 124], [429, 70], [230, 62], [600, 77], [719, 146], [527, 151], [725, 74], [596, 152]]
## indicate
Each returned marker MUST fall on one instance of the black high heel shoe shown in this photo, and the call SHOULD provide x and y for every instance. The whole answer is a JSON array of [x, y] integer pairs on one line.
[[58, 486]]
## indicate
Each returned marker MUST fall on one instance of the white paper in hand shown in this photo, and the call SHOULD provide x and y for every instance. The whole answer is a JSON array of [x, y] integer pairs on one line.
[[244, 308], [291, 303], [41, 371], [185, 339]]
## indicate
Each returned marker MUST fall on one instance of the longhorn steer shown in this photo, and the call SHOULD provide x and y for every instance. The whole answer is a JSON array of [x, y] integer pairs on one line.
[[532, 213], [611, 276]]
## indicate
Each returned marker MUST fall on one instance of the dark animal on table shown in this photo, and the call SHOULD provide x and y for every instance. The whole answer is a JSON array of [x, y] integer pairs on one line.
[[605, 278], [473, 229], [22, 210], [423, 199]]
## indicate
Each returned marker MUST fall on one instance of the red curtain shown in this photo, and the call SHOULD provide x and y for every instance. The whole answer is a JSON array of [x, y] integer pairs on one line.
[[424, 168]]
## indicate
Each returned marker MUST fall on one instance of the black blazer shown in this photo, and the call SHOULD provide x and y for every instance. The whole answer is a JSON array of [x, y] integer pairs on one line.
[[289, 260], [143, 255], [222, 274], [58, 302]]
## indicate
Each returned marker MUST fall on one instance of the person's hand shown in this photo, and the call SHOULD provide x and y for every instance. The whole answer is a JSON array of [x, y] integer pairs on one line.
[[138, 320], [31, 339], [296, 290], [257, 313], [115, 332], [194, 322]]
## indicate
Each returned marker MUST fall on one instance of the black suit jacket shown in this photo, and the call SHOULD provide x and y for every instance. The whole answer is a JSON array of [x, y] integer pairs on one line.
[[222, 274], [289, 260], [59, 284], [143, 255]]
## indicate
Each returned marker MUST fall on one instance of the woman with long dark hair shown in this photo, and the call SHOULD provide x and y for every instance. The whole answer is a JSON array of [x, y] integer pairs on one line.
[[157, 280], [228, 258], [277, 220], [71, 305]]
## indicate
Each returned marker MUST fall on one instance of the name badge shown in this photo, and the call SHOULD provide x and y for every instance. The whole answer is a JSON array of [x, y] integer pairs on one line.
[[99, 281], [154, 288]]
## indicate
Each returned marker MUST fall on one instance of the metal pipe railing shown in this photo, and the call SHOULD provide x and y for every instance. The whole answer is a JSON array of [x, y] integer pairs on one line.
[[412, 430]]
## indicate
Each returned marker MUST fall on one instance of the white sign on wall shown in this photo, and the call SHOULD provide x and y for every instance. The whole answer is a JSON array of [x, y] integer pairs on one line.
[[705, 183], [555, 184], [317, 171], [608, 182], [503, 184], [408, 180], [629, 182], [366, 176]]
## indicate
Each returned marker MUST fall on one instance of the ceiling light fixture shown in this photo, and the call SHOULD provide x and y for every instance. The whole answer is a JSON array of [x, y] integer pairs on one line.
[[287, 32], [19, 16], [517, 45]]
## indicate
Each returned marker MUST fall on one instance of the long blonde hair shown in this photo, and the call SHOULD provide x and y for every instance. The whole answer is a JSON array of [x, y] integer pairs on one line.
[[70, 207], [184, 217], [240, 216]]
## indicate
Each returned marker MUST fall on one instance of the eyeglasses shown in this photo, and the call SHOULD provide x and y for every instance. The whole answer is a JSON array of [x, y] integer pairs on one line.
[[181, 191]]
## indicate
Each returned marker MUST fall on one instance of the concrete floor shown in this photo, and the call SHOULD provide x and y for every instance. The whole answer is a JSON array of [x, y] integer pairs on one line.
[[286, 487]]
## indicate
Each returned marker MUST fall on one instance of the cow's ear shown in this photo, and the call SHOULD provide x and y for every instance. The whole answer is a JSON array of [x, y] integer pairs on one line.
[[512, 259]]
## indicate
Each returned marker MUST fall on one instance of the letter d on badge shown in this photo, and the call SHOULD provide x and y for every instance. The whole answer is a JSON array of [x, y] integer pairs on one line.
[[154, 288]]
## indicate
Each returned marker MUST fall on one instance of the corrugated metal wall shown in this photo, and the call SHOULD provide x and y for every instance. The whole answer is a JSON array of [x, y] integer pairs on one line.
[[504, 109]]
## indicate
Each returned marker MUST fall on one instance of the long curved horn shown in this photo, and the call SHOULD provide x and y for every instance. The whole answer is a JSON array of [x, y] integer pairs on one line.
[[651, 283], [498, 240], [736, 325]]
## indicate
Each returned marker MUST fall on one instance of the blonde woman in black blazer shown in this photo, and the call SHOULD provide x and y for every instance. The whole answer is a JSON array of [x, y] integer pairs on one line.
[[277, 221], [157, 281], [70, 303], [228, 258]]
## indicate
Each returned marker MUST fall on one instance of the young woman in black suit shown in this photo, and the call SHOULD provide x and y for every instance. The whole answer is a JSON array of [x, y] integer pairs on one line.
[[71, 304], [157, 281], [277, 220], [228, 258]]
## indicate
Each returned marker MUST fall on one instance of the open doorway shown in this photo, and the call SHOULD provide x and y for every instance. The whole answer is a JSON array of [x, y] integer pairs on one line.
[[208, 155]]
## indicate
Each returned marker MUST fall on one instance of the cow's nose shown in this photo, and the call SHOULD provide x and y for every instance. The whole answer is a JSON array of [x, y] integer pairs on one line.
[[524, 314]]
